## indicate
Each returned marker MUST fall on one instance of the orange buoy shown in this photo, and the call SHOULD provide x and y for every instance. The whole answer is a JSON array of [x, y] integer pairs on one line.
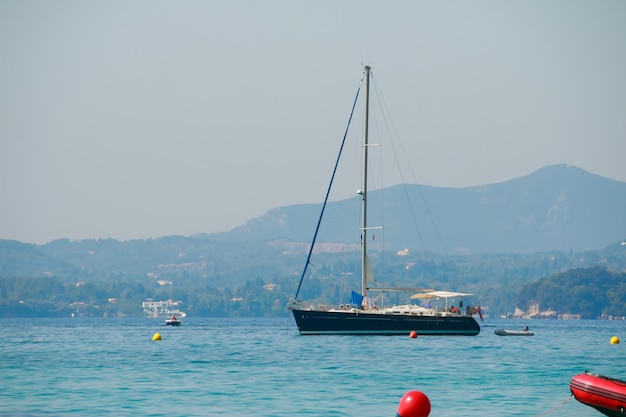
[[414, 404], [413, 334]]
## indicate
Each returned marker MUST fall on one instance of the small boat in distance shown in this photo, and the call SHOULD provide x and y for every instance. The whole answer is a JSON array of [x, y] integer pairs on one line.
[[361, 316], [605, 394], [507, 332], [172, 322]]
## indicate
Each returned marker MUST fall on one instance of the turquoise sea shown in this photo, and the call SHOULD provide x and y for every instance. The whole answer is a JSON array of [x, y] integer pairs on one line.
[[262, 367]]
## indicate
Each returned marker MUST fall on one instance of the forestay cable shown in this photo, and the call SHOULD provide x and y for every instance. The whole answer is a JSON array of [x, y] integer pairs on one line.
[[319, 221]]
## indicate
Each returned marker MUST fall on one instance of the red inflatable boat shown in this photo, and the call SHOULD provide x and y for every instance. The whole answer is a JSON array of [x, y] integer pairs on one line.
[[605, 394]]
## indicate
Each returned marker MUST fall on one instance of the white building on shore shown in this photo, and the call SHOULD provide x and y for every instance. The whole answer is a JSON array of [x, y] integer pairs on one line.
[[162, 308]]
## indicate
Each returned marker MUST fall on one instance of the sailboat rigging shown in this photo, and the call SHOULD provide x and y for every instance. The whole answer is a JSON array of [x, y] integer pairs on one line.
[[361, 316]]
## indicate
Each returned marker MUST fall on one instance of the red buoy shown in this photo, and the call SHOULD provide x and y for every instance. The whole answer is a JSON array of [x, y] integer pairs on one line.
[[413, 334], [414, 404]]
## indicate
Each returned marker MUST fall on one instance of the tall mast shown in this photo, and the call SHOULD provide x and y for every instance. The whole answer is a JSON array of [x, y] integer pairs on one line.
[[364, 267]]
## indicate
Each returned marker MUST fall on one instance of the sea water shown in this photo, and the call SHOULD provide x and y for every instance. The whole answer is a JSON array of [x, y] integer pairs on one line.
[[262, 367]]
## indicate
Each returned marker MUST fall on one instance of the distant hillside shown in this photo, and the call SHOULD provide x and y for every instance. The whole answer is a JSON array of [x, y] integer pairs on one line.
[[24, 259], [558, 207], [588, 293], [216, 278]]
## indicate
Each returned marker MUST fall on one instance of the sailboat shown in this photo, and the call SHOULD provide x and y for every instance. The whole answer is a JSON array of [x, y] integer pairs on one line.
[[361, 316]]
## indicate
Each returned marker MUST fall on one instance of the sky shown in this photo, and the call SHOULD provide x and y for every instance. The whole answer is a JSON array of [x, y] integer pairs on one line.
[[148, 118]]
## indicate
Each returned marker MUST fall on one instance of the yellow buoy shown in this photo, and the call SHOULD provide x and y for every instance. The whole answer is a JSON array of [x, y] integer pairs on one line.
[[615, 340], [157, 336]]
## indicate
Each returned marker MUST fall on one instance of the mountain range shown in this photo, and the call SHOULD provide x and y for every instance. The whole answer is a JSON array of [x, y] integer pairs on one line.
[[562, 217], [558, 207]]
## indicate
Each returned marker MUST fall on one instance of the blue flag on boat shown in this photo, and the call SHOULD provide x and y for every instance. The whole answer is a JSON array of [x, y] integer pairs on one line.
[[356, 299]]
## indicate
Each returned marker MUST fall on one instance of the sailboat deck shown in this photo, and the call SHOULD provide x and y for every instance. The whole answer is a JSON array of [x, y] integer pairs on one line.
[[395, 310]]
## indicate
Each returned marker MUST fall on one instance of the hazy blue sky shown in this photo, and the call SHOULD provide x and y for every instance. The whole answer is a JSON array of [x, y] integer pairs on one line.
[[138, 119]]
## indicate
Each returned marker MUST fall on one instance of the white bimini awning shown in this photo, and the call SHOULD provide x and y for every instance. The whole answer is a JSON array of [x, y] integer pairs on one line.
[[439, 294]]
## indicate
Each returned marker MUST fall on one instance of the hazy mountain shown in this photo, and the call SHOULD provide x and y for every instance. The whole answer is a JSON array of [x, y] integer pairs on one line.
[[563, 218], [25, 259], [558, 207]]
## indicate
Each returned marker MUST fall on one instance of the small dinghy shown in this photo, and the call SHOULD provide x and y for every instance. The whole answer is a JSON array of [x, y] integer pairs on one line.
[[506, 332], [172, 322], [605, 394]]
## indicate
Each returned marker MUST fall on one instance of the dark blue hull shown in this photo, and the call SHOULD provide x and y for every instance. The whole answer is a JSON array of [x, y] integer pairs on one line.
[[317, 322]]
